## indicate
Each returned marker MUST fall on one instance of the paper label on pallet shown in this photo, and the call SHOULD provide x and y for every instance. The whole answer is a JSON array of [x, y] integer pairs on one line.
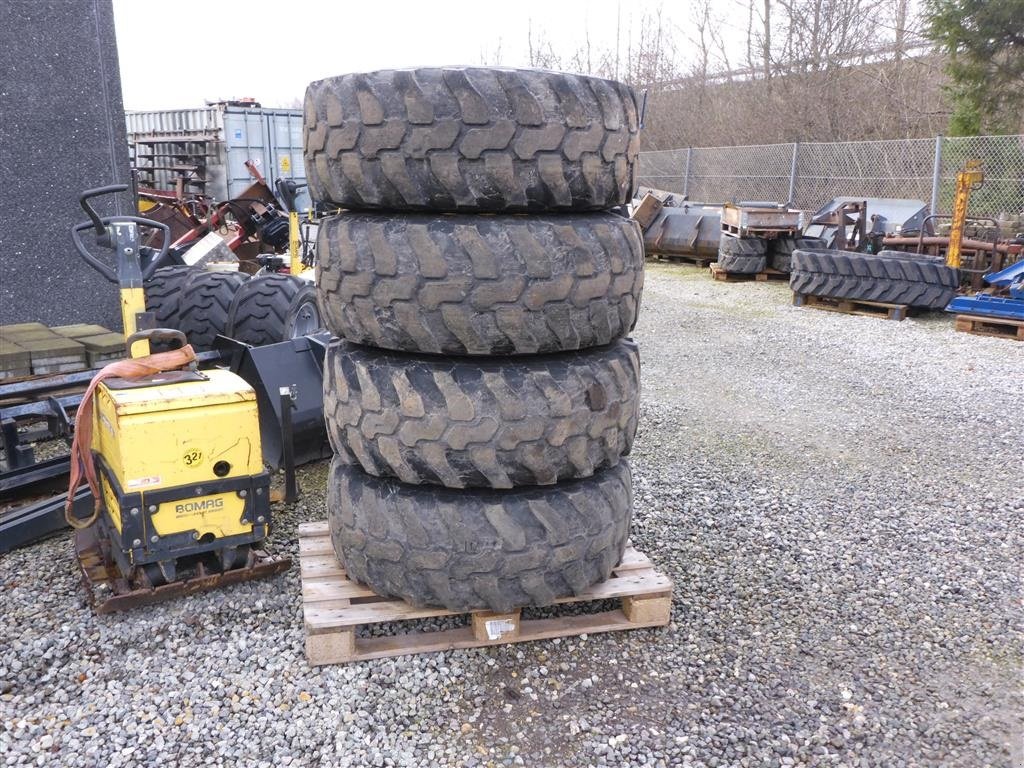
[[498, 627]]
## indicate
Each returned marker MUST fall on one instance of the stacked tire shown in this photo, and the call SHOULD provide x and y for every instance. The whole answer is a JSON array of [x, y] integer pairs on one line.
[[751, 255], [264, 309], [742, 255], [480, 395]]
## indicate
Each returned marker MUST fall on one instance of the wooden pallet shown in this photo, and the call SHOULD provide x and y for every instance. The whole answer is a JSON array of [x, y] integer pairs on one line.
[[717, 273], [1001, 327], [334, 608], [700, 261], [852, 306]]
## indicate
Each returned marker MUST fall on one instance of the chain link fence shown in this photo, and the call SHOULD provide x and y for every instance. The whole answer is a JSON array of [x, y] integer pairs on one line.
[[811, 174]]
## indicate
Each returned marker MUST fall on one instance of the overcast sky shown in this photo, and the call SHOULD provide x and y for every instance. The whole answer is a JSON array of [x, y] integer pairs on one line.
[[270, 50]]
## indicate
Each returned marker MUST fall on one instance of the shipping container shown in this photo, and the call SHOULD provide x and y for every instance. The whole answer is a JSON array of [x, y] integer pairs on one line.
[[204, 150]]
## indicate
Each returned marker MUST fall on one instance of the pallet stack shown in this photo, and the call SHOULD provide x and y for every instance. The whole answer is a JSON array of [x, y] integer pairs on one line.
[[480, 396], [33, 349]]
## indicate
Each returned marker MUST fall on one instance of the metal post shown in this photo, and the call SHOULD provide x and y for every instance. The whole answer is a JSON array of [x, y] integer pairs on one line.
[[291, 483], [792, 174], [686, 173], [936, 170]]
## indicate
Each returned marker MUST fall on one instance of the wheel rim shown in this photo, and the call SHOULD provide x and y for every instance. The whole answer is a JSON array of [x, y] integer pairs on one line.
[[307, 320]]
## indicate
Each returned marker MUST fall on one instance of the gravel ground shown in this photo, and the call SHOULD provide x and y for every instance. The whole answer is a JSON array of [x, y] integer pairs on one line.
[[837, 498]]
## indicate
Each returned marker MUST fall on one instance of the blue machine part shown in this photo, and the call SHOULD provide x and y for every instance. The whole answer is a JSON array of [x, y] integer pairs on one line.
[[1012, 278], [984, 305]]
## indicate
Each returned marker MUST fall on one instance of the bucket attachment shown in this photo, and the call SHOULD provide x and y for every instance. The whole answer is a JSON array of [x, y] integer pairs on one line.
[[298, 365]]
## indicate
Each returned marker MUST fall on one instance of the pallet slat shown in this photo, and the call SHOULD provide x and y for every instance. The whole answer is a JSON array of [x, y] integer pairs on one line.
[[999, 327], [717, 273], [331, 617], [702, 262], [462, 637], [317, 618], [858, 307]]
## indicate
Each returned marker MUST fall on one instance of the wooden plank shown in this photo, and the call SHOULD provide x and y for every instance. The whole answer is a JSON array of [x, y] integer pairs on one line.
[[333, 588], [635, 583], [316, 545], [331, 648], [632, 560], [717, 273], [852, 306], [701, 262], [770, 274], [462, 637], [319, 565], [369, 613], [646, 609], [316, 528], [996, 327]]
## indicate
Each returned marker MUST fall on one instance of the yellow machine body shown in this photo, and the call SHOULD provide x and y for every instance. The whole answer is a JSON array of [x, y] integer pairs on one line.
[[180, 463], [133, 303]]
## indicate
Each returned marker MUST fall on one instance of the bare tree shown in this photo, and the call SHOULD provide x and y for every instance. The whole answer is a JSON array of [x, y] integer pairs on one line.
[[811, 70]]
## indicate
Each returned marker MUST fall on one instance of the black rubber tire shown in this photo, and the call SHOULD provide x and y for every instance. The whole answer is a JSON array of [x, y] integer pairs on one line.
[[780, 250], [744, 256], [894, 278], [206, 304], [482, 422], [164, 290], [267, 308], [471, 139], [478, 549], [480, 285]]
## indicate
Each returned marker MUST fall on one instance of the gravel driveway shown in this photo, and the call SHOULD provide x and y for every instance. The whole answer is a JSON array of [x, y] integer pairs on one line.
[[838, 500]]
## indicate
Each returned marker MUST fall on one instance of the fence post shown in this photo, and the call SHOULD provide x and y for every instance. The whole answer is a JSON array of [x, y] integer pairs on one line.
[[936, 171], [686, 173], [792, 174]]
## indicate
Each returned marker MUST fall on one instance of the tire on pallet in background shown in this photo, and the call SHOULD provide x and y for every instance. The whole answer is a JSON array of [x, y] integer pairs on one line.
[[164, 290], [780, 250], [893, 278], [205, 305], [471, 139], [478, 549], [480, 285], [744, 256], [482, 422], [271, 308]]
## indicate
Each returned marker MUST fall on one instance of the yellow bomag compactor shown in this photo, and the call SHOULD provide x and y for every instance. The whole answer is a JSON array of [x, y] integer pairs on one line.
[[171, 453]]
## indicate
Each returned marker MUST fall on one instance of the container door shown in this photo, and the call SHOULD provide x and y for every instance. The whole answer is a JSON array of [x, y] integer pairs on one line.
[[285, 130], [245, 138]]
